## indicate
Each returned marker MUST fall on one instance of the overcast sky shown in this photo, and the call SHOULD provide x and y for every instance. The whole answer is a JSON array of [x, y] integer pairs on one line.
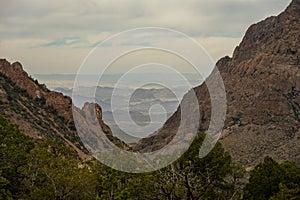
[[56, 36]]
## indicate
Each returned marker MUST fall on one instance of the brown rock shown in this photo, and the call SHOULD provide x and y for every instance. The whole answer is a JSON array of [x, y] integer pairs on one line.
[[262, 82], [41, 113]]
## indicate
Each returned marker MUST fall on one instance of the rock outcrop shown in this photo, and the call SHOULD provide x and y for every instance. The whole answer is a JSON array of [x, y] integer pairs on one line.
[[63, 104], [262, 82], [39, 112]]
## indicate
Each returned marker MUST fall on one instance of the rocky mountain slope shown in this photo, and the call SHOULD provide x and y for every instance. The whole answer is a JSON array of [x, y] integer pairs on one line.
[[262, 82], [39, 112]]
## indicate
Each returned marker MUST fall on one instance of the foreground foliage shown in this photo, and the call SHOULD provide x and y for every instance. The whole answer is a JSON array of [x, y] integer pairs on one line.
[[15, 147], [48, 169], [270, 180]]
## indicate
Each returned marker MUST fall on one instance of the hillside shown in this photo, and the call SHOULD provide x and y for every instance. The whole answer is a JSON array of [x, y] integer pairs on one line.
[[39, 112], [262, 82]]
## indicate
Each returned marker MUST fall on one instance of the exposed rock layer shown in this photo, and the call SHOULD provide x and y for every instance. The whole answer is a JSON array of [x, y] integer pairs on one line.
[[39, 112], [262, 82]]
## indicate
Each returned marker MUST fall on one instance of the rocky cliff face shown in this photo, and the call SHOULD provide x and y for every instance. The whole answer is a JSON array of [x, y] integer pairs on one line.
[[39, 112], [63, 104], [262, 82]]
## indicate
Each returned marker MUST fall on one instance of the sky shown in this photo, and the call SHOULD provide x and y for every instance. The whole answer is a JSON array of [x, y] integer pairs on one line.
[[55, 37]]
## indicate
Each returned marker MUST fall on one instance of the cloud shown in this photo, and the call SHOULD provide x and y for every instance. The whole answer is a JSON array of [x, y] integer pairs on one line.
[[34, 18], [71, 24], [65, 41]]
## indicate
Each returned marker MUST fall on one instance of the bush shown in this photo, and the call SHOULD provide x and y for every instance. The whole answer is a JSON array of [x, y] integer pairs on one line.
[[15, 147], [272, 180]]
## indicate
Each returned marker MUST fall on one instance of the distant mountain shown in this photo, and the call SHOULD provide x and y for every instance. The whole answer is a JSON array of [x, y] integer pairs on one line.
[[42, 113], [141, 101], [262, 82]]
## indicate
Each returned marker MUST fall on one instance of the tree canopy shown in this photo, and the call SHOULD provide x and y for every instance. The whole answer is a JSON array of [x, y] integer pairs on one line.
[[49, 169], [270, 180]]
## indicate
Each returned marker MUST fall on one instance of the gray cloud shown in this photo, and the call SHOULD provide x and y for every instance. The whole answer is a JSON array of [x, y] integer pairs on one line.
[[73, 27], [67, 18]]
